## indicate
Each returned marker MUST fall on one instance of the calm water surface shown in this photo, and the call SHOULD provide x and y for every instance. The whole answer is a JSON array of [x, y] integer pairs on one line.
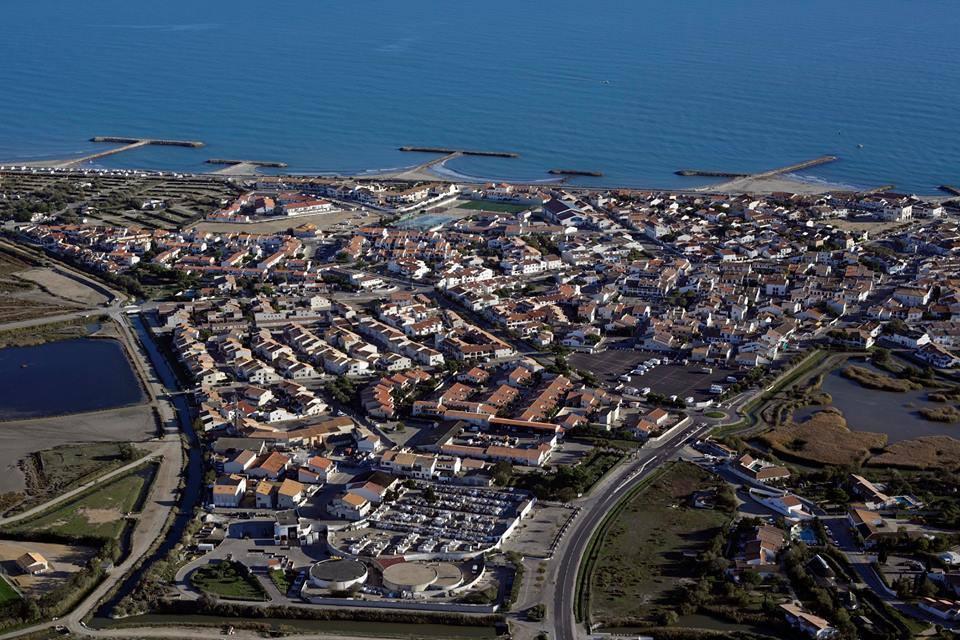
[[633, 88], [69, 376], [894, 414]]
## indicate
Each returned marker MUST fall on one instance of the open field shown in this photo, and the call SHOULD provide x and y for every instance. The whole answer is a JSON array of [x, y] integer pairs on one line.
[[823, 439], [496, 207], [536, 532], [54, 471], [63, 286], [229, 580], [641, 548], [328, 222], [64, 560], [24, 294], [20, 438], [98, 513]]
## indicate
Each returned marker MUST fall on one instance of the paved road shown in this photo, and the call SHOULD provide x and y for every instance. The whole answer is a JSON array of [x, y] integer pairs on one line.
[[571, 550]]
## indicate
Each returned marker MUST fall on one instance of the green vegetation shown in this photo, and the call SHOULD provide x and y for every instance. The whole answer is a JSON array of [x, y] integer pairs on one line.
[[568, 481], [230, 580], [622, 439], [282, 579], [638, 555], [343, 390], [873, 380], [716, 415], [55, 471], [516, 560], [50, 332], [8, 594], [801, 367], [497, 207], [278, 621], [537, 612], [96, 514]]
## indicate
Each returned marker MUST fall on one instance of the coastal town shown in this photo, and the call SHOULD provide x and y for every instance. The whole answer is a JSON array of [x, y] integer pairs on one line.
[[536, 411]]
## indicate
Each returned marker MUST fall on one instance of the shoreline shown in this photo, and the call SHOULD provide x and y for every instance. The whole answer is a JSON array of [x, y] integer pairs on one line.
[[436, 170]]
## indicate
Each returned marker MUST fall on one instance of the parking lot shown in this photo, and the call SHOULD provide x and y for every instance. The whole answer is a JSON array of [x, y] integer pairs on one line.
[[665, 379], [435, 518], [536, 534]]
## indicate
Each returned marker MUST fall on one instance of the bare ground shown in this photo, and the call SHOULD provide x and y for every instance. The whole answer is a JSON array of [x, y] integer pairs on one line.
[[20, 438], [64, 560], [63, 287]]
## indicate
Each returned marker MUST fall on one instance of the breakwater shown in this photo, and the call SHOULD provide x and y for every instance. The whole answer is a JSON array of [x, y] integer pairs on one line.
[[575, 172], [709, 174], [799, 166], [256, 163], [128, 144], [145, 141], [466, 152]]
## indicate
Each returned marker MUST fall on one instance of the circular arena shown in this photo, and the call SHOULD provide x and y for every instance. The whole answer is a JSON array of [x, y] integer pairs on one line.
[[337, 574], [419, 576]]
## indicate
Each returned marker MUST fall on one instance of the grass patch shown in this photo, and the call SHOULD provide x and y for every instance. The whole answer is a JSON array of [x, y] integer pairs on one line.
[[7, 593], [715, 414], [283, 579], [97, 513], [498, 207], [54, 471], [873, 380], [41, 334], [823, 439], [229, 580], [640, 549], [932, 452]]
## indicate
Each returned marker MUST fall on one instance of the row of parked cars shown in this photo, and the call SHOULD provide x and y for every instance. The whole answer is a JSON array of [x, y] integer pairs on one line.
[[643, 368]]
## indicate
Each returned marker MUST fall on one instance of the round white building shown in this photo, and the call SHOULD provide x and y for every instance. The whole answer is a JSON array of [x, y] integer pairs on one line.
[[337, 574]]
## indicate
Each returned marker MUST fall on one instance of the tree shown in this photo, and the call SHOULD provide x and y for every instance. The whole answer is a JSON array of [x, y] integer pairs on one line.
[[502, 472], [882, 554], [127, 452], [668, 618], [750, 578]]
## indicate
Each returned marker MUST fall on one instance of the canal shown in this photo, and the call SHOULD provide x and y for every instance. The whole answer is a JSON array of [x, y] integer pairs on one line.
[[192, 491]]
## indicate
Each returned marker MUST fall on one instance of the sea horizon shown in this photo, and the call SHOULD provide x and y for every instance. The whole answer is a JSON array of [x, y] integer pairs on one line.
[[635, 91]]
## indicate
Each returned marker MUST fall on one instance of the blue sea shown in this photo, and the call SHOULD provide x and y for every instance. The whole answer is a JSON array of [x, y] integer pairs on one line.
[[633, 88]]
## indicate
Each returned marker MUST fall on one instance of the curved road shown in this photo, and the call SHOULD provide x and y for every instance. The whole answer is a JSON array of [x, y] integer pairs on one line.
[[571, 550]]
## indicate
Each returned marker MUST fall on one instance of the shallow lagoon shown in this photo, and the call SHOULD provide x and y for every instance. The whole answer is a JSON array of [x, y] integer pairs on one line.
[[69, 376], [892, 413]]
